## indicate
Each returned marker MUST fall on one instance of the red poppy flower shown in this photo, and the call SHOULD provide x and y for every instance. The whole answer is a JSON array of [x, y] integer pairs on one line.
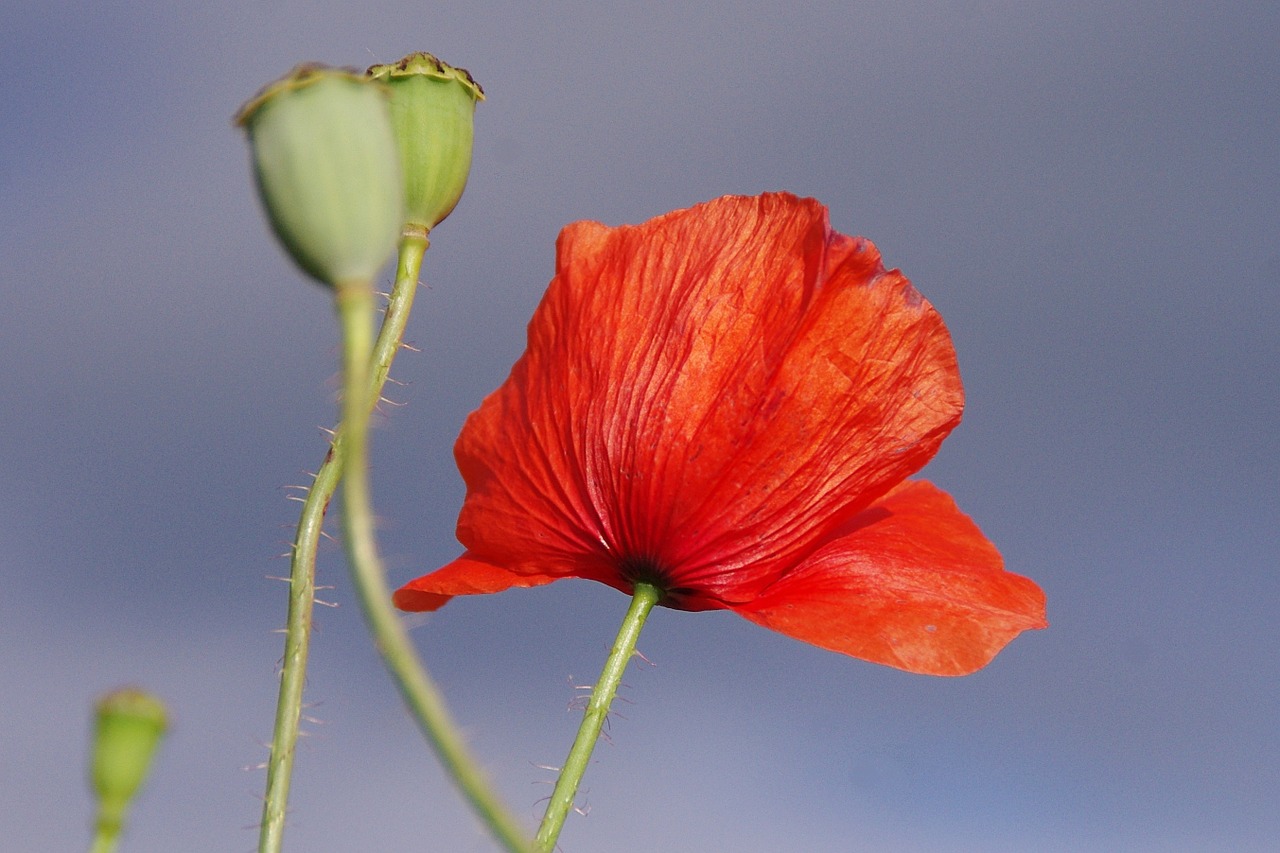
[[726, 402]]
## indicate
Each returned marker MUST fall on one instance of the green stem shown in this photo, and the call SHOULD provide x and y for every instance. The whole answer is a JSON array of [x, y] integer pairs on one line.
[[646, 596], [106, 834], [355, 305], [306, 544]]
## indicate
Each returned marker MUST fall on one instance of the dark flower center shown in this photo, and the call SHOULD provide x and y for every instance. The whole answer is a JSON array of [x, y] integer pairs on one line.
[[648, 570], [644, 570]]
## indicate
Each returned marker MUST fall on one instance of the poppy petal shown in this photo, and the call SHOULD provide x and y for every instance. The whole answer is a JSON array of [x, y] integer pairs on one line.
[[464, 576], [911, 583], [706, 395]]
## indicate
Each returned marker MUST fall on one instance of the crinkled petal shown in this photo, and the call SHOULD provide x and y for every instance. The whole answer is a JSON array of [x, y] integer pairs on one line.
[[707, 396], [912, 583]]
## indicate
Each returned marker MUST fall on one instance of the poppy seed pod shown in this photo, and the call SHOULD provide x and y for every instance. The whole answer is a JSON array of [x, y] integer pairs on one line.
[[328, 171], [432, 110], [128, 726]]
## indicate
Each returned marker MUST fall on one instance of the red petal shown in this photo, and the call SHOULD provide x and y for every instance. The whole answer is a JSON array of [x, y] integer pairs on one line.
[[913, 584], [463, 576], [709, 393]]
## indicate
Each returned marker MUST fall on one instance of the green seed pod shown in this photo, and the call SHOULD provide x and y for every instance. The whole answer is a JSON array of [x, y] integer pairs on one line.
[[328, 170], [432, 109], [128, 726]]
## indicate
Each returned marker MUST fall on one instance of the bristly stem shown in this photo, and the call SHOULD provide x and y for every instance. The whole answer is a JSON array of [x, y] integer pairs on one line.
[[355, 304], [303, 564], [642, 602]]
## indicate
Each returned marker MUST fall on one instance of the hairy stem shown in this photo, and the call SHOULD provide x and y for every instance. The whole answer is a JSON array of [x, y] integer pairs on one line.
[[642, 602], [355, 304], [306, 543]]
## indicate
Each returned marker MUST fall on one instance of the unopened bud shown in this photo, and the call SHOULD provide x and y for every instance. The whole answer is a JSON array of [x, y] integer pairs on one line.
[[128, 726]]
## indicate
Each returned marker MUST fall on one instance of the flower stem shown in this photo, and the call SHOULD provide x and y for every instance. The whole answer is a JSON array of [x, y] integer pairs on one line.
[[642, 602], [106, 833], [355, 304], [303, 565]]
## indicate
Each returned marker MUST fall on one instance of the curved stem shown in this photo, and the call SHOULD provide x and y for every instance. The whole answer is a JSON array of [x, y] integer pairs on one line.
[[642, 602], [355, 305], [306, 543]]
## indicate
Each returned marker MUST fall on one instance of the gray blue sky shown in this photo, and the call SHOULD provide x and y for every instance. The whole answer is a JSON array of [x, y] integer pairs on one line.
[[1088, 192]]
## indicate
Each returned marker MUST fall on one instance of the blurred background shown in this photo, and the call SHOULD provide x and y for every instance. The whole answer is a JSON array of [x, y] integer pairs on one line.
[[1088, 192]]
